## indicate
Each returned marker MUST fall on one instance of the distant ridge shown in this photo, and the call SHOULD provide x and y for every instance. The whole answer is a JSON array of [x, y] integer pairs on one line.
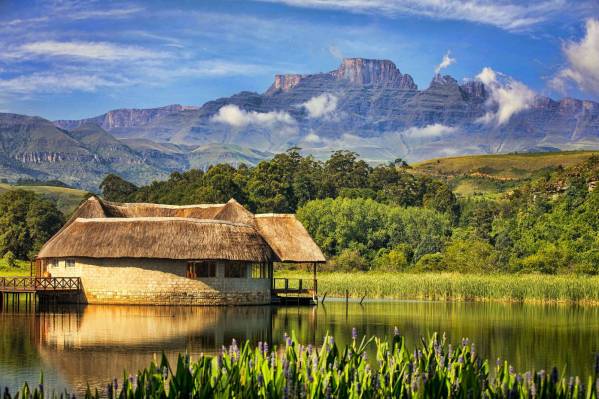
[[368, 106]]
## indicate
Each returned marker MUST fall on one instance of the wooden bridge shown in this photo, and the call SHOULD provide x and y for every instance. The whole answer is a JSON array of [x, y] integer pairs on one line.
[[294, 290], [34, 287]]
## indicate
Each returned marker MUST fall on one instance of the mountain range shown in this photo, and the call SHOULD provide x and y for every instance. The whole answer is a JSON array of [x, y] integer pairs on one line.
[[367, 106]]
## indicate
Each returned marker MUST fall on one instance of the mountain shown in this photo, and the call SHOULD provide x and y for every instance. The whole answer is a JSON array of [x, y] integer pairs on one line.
[[368, 106], [34, 148]]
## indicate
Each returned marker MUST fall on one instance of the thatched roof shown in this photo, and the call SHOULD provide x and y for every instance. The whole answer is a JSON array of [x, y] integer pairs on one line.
[[160, 238], [233, 211], [288, 238], [132, 210], [104, 229]]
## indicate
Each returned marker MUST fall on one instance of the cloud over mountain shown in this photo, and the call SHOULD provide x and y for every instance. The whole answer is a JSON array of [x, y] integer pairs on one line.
[[321, 106], [508, 95], [445, 62], [233, 116]]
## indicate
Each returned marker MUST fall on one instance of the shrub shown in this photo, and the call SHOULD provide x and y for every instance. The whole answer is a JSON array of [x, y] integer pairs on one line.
[[393, 260], [430, 263], [349, 260], [10, 259]]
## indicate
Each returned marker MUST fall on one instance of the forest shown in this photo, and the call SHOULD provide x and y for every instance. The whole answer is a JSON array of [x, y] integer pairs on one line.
[[389, 218], [379, 218]]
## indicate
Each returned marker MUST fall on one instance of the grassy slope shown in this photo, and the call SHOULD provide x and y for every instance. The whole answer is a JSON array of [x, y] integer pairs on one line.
[[22, 269], [459, 287], [492, 174], [67, 199]]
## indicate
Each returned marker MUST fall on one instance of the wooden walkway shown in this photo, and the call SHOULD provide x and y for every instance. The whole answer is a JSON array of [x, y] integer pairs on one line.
[[39, 284], [32, 289], [294, 291]]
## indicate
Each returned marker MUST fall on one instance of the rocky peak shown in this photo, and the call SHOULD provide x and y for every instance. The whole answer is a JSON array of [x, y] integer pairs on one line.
[[474, 89], [363, 72], [284, 83], [445, 80]]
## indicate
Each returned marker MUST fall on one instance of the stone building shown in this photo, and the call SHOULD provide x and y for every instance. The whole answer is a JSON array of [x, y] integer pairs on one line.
[[214, 254]]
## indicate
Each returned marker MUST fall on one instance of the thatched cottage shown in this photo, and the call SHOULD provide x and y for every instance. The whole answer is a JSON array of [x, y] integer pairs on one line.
[[164, 254]]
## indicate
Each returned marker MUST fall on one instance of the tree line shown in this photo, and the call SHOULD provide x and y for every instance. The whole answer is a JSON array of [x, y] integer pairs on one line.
[[289, 180], [384, 217]]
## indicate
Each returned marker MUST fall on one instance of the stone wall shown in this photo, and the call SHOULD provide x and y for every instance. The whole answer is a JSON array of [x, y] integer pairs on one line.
[[159, 282]]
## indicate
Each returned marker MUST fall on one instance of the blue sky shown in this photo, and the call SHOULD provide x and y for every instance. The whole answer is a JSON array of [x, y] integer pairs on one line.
[[73, 59]]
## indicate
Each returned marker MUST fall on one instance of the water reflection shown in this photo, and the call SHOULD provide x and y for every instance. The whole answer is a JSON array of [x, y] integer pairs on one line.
[[79, 345]]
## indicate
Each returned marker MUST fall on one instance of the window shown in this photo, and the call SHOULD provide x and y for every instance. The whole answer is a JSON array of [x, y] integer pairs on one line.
[[201, 269], [53, 263], [69, 263], [259, 270], [236, 270]]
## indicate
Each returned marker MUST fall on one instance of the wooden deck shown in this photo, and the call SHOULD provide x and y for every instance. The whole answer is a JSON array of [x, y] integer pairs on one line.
[[39, 284], [34, 289], [294, 291]]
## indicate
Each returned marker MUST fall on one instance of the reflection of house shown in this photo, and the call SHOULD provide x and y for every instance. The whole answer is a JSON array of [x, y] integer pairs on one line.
[[163, 254], [94, 344]]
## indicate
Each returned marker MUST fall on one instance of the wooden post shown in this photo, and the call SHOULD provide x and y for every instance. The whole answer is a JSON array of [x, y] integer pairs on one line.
[[315, 282]]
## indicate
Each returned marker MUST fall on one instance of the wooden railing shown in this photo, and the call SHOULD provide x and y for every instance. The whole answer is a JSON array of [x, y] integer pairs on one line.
[[293, 286], [33, 284]]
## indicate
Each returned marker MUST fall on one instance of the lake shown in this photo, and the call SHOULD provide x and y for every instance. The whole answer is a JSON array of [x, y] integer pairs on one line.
[[93, 344]]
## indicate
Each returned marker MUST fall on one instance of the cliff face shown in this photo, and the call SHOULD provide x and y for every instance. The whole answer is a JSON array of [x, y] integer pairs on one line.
[[368, 106], [364, 72]]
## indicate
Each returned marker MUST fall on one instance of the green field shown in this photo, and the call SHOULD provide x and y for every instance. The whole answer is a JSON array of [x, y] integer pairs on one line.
[[533, 288], [66, 199], [492, 175], [22, 269], [501, 166]]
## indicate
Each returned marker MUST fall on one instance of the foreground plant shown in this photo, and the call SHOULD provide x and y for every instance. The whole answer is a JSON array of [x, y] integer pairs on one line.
[[434, 369]]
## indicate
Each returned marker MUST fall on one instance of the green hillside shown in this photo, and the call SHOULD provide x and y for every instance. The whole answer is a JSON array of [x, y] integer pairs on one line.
[[67, 199], [492, 174]]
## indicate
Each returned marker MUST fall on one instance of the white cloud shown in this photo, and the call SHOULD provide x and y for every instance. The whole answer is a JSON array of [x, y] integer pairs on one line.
[[583, 61], [509, 15], [312, 138], [233, 116], [434, 130], [336, 52], [321, 106], [445, 62], [54, 83], [509, 97], [217, 68], [87, 50]]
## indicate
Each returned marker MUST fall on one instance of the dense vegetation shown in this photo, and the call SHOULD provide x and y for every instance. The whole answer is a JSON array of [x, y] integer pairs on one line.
[[389, 218], [288, 181], [443, 286], [435, 369], [27, 221]]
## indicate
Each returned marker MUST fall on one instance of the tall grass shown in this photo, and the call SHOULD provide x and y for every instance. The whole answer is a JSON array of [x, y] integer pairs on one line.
[[433, 369], [459, 287], [22, 268]]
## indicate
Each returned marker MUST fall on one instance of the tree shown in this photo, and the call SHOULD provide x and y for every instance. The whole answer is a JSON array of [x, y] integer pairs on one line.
[[115, 188], [26, 222], [10, 259]]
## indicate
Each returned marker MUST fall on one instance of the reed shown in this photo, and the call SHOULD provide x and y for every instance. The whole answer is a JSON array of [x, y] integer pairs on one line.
[[434, 369], [459, 287]]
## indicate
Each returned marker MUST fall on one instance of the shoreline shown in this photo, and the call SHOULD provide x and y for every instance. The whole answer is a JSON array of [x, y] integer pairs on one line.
[[567, 290]]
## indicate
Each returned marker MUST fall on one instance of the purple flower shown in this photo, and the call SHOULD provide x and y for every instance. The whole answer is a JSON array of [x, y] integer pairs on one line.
[[354, 333], [331, 341]]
